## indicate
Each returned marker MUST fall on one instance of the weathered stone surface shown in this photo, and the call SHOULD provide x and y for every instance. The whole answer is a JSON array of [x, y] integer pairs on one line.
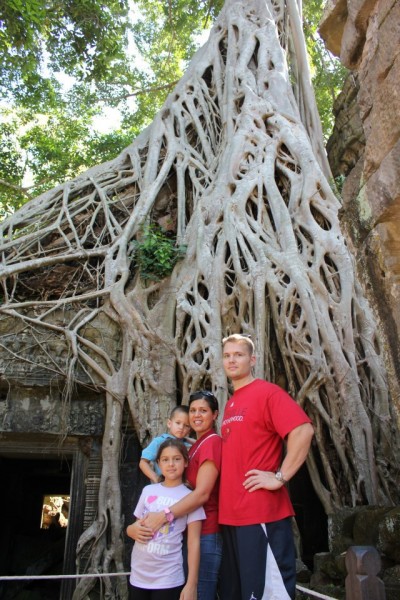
[[340, 564], [360, 529], [355, 31], [326, 578], [352, 40], [356, 218], [380, 53], [366, 524], [389, 535], [340, 530], [366, 36], [344, 28], [303, 573], [383, 187], [48, 365], [382, 125], [319, 559], [392, 575], [38, 410], [347, 142], [332, 24], [327, 569], [377, 526], [391, 579]]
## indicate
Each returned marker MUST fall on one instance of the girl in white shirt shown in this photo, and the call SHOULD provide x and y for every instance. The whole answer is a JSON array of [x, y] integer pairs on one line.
[[157, 566]]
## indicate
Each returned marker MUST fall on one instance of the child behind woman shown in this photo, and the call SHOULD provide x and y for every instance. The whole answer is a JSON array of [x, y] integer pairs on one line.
[[157, 566], [179, 428]]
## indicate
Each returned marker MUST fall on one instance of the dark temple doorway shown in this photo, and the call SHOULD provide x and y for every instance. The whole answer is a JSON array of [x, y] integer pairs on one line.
[[34, 507], [311, 518], [41, 512]]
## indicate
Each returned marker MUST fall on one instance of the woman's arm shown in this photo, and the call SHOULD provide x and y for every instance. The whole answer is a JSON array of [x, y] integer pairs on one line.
[[189, 591], [206, 477]]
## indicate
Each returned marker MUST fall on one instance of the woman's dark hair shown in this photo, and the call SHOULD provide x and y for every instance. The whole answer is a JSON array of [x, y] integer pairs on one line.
[[207, 396], [173, 443]]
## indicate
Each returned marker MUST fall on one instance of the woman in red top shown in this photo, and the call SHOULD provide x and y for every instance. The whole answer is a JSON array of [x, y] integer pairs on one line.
[[203, 475]]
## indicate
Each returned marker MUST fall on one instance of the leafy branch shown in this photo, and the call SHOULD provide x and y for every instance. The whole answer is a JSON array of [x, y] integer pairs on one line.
[[156, 254]]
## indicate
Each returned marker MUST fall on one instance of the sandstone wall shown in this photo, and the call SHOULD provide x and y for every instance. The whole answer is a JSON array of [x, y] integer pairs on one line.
[[365, 149], [33, 369]]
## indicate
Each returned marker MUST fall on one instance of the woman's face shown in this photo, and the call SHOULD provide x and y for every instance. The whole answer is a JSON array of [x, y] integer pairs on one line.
[[201, 417]]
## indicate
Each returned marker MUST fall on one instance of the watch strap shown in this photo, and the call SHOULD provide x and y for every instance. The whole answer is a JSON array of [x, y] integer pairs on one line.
[[280, 477], [169, 515]]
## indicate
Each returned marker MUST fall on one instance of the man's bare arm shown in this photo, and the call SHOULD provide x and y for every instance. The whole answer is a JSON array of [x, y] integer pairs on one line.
[[298, 445]]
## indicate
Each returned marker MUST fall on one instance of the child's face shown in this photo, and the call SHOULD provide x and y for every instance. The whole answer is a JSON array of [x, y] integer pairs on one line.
[[179, 426], [172, 464]]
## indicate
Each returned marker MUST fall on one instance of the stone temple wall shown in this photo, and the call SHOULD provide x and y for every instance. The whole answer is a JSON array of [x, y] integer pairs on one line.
[[365, 149]]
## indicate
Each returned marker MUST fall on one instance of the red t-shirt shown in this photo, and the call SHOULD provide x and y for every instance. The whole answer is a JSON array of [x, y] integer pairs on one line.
[[208, 447], [256, 420]]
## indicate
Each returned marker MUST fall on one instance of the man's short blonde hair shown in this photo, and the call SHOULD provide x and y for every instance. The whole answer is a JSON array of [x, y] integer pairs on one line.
[[239, 338]]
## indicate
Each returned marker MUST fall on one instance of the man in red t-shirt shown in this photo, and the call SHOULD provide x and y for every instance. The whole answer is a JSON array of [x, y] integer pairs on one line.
[[258, 559]]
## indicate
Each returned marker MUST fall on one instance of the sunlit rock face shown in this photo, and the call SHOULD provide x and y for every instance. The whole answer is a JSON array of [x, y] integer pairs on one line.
[[365, 148]]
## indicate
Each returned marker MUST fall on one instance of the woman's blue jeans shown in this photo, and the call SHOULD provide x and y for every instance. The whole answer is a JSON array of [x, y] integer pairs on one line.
[[210, 561]]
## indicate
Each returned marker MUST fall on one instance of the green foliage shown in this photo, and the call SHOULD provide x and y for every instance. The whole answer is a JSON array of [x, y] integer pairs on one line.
[[44, 149], [327, 73], [54, 134], [336, 184], [47, 130], [49, 126], [79, 37], [155, 253], [11, 164], [11, 169]]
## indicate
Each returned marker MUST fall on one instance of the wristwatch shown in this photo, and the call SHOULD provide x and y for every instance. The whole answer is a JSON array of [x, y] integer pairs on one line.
[[280, 477], [169, 515]]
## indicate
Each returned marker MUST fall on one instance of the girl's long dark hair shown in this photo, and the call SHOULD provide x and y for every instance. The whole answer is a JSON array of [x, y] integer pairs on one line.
[[173, 443]]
